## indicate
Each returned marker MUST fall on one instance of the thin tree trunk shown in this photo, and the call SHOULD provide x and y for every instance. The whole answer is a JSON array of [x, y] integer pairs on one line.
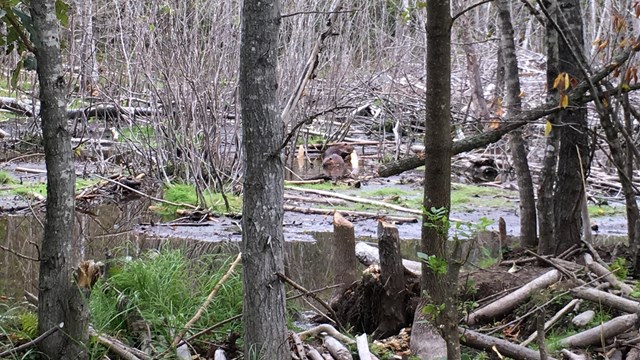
[[437, 184], [264, 318], [60, 300], [528, 223]]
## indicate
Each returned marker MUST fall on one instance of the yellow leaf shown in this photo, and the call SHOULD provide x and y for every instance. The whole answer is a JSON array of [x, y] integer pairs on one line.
[[564, 101], [494, 123], [521, 95], [557, 80], [566, 81], [547, 128]]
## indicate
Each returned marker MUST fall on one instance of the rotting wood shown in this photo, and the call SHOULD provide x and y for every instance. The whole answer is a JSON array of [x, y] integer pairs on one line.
[[368, 255], [337, 349], [392, 317], [510, 301], [362, 214], [344, 259], [595, 335], [606, 274], [605, 298], [480, 341]]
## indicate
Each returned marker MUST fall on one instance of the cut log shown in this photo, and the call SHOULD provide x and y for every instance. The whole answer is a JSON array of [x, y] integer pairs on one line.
[[606, 274], [605, 298], [363, 347], [368, 255], [596, 335], [337, 349], [219, 355], [344, 259], [313, 354], [547, 325], [509, 302], [392, 317], [479, 341]]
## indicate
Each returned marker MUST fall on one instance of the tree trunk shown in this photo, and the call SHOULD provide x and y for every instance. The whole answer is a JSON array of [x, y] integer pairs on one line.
[[264, 318], [574, 139], [440, 288], [546, 183], [528, 223], [60, 300]]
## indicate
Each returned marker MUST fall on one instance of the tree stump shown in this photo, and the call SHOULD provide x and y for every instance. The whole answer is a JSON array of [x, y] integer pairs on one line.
[[343, 261], [392, 304]]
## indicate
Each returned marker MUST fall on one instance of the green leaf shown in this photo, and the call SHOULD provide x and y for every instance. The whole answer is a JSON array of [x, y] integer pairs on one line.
[[62, 12], [15, 74]]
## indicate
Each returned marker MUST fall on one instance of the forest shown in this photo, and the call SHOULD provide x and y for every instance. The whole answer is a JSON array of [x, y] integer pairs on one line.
[[284, 179]]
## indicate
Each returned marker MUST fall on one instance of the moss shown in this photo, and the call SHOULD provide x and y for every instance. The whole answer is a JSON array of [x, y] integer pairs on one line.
[[481, 196], [605, 210], [6, 179], [186, 194]]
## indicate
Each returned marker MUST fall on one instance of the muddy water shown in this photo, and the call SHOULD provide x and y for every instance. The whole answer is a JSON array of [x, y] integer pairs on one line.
[[115, 229]]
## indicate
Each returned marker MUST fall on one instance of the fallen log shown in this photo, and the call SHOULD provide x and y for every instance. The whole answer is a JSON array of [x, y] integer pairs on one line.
[[547, 325], [368, 255], [605, 298], [512, 300], [337, 349], [596, 335], [480, 341], [363, 214], [606, 274]]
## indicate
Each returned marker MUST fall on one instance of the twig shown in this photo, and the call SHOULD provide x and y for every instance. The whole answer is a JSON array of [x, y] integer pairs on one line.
[[317, 12], [206, 303], [32, 342], [18, 254], [310, 294]]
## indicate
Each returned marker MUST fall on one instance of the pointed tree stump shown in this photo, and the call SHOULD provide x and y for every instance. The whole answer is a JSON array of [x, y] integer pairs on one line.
[[392, 302], [343, 261]]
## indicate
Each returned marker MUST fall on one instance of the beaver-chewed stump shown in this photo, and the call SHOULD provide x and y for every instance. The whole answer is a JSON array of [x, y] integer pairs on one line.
[[381, 303], [362, 308]]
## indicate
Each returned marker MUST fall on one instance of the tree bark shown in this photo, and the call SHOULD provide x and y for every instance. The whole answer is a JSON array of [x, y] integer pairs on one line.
[[528, 223], [264, 318], [343, 261], [60, 299], [441, 288], [574, 139], [392, 302]]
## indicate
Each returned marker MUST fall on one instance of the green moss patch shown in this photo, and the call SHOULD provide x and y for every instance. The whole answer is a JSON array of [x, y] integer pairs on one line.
[[186, 194]]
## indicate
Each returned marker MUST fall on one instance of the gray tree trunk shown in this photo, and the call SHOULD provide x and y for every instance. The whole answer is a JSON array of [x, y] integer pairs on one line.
[[60, 300], [441, 289], [546, 183], [528, 223], [265, 333], [574, 139]]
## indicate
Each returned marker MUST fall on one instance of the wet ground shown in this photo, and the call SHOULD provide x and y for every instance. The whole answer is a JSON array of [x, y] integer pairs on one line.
[[128, 227]]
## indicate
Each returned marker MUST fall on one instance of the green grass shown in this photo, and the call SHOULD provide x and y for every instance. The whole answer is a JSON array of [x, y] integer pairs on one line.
[[27, 189], [166, 289], [186, 194], [486, 197], [138, 133], [605, 210], [6, 179]]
